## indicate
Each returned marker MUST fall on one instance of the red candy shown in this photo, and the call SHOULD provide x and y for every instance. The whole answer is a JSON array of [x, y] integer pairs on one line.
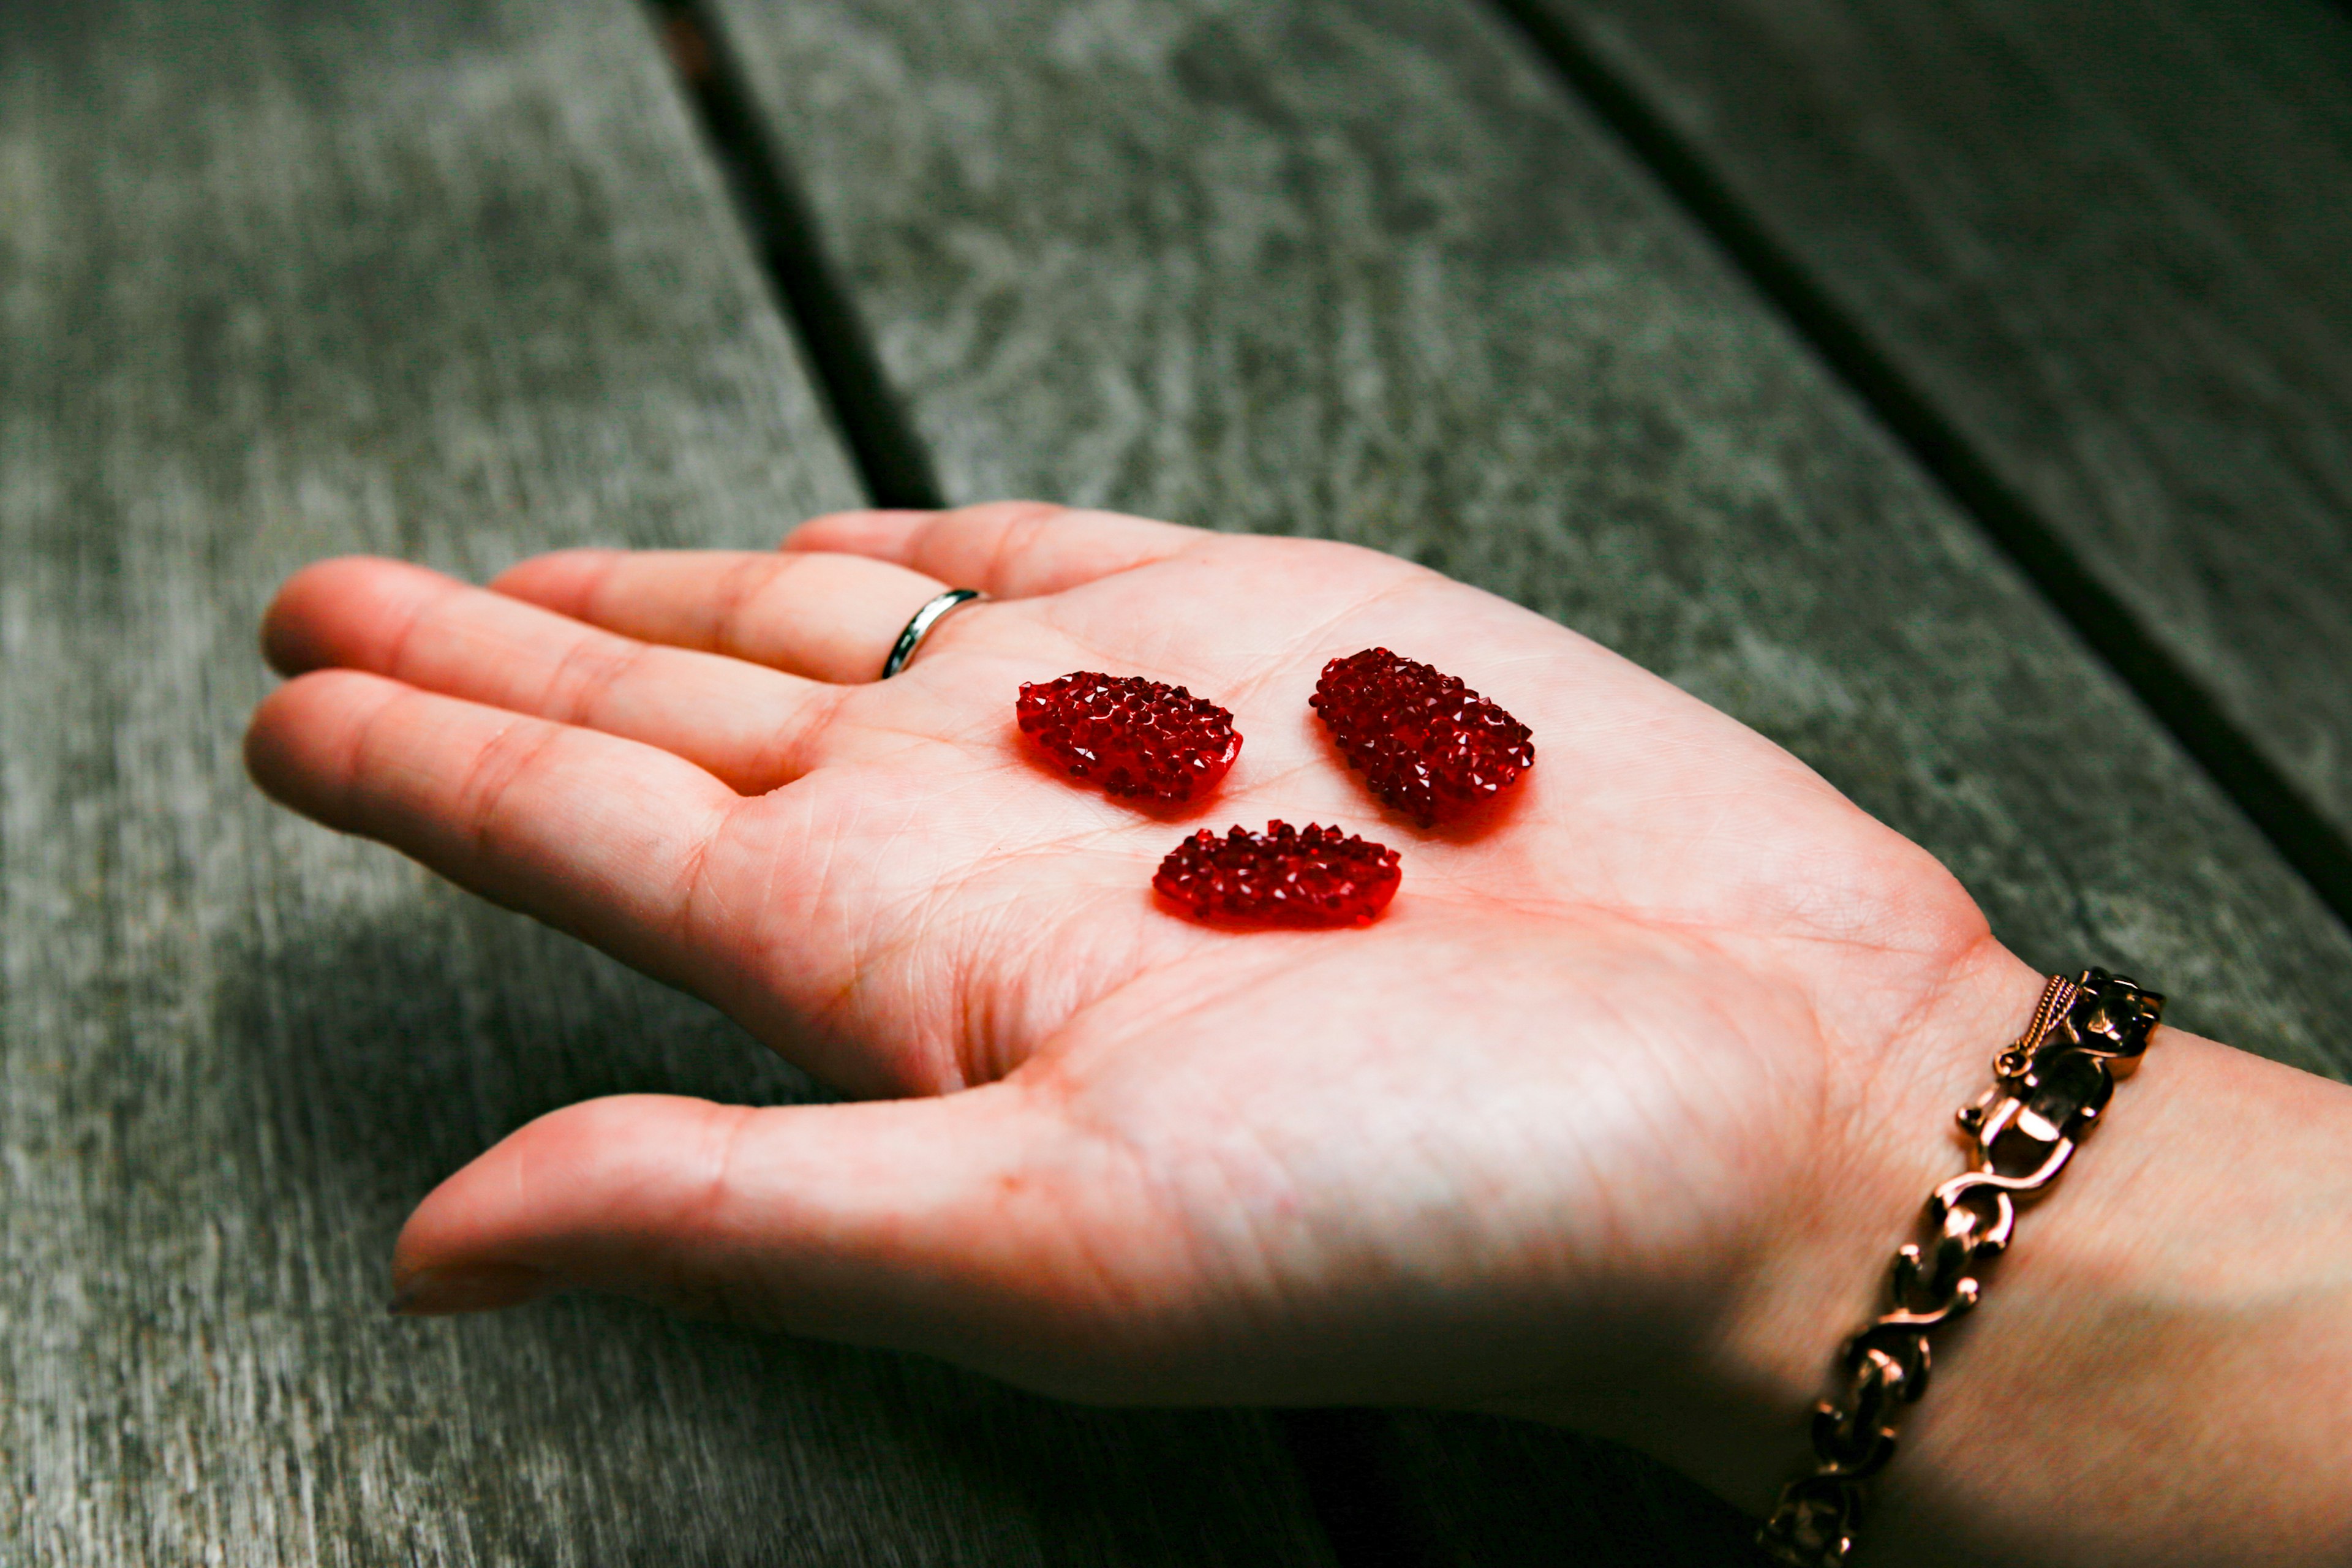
[[1135, 737], [1427, 744], [1284, 876]]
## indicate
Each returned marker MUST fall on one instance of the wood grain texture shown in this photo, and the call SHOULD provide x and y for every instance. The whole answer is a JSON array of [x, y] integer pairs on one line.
[[451, 280], [2108, 242], [1356, 267]]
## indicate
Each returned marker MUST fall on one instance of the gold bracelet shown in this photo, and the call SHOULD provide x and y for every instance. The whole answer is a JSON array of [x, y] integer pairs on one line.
[[2051, 1087]]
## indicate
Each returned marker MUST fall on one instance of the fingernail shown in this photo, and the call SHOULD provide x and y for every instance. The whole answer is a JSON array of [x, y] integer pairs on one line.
[[470, 1288]]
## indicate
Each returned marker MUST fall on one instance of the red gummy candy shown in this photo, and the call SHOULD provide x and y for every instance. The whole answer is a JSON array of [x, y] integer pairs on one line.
[[1284, 876], [1135, 737], [1427, 744]]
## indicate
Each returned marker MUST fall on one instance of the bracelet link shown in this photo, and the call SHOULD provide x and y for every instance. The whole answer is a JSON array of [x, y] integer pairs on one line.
[[2048, 1091]]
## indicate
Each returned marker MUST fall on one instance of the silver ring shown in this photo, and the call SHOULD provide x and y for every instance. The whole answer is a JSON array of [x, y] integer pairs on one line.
[[902, 652]]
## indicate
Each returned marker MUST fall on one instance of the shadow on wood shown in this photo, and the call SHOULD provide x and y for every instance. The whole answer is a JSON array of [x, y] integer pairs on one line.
[[379, 1051]]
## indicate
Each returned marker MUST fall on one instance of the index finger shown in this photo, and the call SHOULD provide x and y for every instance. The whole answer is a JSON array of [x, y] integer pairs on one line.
[[597, 835]]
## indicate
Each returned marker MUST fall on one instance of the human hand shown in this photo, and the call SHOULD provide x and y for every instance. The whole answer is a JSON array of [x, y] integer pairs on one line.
[[1564, 1130]]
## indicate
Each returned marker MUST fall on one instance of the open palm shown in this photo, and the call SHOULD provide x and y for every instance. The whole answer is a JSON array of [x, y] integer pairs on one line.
[[1538, 1124]]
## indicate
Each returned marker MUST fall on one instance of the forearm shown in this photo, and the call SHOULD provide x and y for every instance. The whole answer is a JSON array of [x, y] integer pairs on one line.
[[2160, 1371]]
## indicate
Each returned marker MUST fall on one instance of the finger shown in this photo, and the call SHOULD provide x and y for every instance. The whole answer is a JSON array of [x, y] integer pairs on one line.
[[829, 617], [754, 728], [1011, 550], [950, 1225], [597, 835]]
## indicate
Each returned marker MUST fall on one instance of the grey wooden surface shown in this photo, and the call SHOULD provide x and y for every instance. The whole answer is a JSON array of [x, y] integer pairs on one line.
[[1360, 268], [2109, 240], [451, 280]]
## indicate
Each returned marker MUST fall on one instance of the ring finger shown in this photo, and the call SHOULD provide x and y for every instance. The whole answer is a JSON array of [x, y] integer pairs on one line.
[[829, 617]]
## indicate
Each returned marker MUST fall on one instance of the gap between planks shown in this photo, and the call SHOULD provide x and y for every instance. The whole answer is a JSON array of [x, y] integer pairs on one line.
[[890, 458], [2303, 835]]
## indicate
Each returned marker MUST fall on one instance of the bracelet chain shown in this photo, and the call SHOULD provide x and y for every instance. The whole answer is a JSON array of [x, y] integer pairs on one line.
[[2049, 1088]]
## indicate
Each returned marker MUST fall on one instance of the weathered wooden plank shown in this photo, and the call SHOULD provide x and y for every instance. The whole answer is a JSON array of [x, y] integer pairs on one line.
[[2106, 244], [1357, 267], [450, 279]]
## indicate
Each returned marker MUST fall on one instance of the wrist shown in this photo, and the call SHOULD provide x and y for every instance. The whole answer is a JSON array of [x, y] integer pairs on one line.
[[1886, 1140], [2171, 1336], [1731, 1404], [2160, 1371]]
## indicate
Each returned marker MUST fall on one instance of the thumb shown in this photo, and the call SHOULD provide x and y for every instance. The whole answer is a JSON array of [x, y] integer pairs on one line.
[[953, 1224]]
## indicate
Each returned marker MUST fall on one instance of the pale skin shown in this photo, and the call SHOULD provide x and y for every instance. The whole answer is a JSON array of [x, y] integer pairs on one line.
[[1611, 1120]]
